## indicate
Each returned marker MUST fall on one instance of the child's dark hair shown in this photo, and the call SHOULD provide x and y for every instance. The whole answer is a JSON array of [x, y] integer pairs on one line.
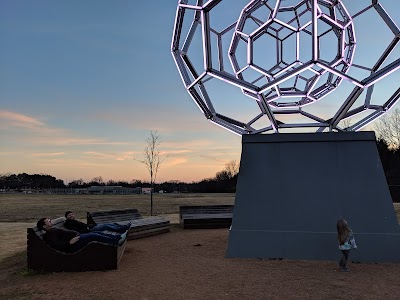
[[40, 223], [343, 231]]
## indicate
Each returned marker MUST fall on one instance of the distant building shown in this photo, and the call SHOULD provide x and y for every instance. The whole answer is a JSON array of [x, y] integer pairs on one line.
[[81, 191], [146, 190], [113, 189]]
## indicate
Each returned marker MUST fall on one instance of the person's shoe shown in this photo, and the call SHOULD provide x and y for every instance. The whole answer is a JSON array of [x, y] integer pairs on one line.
[[344, 270], [122, 239], [125, 228], [128, 226]]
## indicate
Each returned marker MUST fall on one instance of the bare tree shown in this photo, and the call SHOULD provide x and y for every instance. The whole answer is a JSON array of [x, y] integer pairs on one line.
[[387, 129], [346, 123], [232, 168], [152, 159], [98, 180]]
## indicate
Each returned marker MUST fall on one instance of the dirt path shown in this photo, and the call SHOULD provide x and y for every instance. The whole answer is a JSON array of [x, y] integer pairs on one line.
[[191, 264]]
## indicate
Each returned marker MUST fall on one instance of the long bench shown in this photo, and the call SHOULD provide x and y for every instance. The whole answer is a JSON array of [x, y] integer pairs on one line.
[[95, 256], [141, 227], [205, 216]]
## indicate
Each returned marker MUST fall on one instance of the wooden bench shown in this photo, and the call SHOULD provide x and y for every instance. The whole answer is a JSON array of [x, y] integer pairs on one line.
[[206, 216], [141, 227], [94, 256]]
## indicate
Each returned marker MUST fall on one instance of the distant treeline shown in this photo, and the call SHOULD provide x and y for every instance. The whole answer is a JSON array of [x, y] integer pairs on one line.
[[223, 181]]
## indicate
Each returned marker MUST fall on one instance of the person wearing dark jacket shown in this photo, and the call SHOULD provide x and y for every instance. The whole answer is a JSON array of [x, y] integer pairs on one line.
[[72, 241], [73, 224]]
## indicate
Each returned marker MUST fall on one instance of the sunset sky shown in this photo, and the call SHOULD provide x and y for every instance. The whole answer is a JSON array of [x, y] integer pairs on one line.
[[82, 82]]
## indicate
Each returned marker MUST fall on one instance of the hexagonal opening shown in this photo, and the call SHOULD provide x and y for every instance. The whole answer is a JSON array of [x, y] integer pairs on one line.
[[305, 47], [288, 49], [266, 51]]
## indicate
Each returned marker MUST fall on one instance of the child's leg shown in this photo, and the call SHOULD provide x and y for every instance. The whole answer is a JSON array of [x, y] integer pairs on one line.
[[343, 261]]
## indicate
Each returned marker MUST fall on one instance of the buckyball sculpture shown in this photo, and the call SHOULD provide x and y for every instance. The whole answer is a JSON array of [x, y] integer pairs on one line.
[[290, 67]]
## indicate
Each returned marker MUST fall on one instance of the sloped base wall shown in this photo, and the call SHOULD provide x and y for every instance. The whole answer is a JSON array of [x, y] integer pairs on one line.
[[292, 189]]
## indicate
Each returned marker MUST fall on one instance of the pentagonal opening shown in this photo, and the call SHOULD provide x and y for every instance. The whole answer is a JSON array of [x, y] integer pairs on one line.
[[329, 44], [239, 55]]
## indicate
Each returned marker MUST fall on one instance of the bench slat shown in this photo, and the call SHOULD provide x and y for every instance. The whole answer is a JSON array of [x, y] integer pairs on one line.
[[140, 227], [206, 216]]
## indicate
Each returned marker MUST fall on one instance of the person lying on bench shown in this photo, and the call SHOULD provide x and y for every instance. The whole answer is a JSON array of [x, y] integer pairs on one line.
[[72, 241], [81, 227]]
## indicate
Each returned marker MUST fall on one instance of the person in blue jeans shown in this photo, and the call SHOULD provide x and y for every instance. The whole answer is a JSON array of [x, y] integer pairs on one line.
[[72, 224], [72, 241]]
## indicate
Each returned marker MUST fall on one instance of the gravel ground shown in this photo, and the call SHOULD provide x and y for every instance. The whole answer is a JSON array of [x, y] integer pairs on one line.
[[191, 264]]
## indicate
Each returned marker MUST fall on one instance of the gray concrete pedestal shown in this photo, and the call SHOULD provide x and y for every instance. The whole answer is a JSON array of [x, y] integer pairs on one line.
[[292, 189]]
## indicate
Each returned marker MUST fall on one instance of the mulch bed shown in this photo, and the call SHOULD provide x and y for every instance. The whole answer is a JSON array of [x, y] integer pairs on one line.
[[191, 264]]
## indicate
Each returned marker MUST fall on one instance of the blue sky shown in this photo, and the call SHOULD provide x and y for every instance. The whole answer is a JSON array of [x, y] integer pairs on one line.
[[83, 82]]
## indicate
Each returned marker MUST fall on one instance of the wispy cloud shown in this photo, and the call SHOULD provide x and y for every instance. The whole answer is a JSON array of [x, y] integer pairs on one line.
[[113, 156], [68, 141], [35, 131], [19, 120], [49, 154], [175, 161]]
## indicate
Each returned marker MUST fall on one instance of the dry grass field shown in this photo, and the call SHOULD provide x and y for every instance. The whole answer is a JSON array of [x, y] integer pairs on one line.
[[32, 207], [183, 264], [19, 211]]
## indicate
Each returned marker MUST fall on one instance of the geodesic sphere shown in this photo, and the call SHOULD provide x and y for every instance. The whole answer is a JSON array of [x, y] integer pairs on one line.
[[282, 56]]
